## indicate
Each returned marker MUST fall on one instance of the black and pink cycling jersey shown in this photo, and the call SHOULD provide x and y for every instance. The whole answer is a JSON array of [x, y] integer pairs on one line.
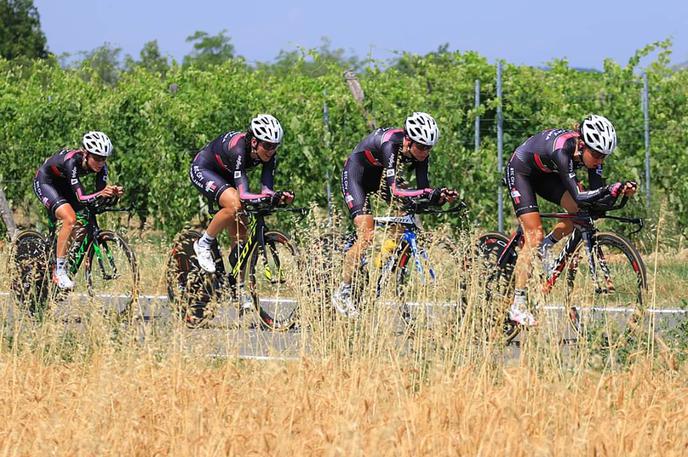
[[374, 162], [544, 165], [57, 180], [223, 163]]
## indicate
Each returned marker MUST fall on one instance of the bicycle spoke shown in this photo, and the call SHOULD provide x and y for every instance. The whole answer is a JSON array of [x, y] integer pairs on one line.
[[273, 279]]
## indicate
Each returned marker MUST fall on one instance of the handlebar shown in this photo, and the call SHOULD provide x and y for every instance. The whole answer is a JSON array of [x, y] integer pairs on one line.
[[102, 205], [424, 206], [599, 211], [271, 204]]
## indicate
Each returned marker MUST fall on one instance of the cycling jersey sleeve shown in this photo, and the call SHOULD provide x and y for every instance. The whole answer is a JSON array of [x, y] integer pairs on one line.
[[595, 178], [267, 176], [101, 179], [75, 183], [241, 181], [422, 180], [567, 173], [388, 156]]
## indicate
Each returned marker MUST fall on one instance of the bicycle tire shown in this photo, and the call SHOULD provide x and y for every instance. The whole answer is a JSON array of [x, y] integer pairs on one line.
[[189, 288], [440, 288], [105, 274], [29, 271], [498, 281], [620, 288], [278, 275]]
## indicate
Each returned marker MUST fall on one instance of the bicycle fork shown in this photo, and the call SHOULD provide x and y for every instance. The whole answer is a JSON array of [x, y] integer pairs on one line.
[[106, 262]]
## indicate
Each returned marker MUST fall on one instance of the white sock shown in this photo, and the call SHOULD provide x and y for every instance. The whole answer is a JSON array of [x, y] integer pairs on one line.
[[206, 241], [520, 298], [61, 263]]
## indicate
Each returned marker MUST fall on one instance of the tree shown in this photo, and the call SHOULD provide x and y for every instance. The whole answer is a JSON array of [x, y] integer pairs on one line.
[[312, 62], [209, 49], [150, 58], [409, 63], [20, 30], [104, 61]]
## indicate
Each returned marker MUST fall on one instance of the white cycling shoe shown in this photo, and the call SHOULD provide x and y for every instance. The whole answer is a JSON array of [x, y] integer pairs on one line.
[[343, 303], [522, 317], [61, 279], [204, 257]]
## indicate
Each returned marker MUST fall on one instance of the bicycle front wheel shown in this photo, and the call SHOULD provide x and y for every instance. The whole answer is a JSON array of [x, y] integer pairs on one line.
[[606, 290], [429, 284], [273, 280], [112, 273]]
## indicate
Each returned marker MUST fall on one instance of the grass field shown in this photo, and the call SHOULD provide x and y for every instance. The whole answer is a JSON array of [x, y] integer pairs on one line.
[[97, 387]]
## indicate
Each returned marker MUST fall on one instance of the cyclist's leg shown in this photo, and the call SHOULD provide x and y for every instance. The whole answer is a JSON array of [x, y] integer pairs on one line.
[[217, 188], [356, 196], [228, 216], [528, 213], [214, 187], [65, 213], [365, 226], [59, 208], [551, 189], [356, 199]]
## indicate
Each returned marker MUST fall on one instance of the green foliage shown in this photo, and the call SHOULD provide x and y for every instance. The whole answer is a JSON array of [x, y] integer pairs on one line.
[[209, 50], [156, 130], [20, 30], [311, 62], [102, 63], [150, 59]]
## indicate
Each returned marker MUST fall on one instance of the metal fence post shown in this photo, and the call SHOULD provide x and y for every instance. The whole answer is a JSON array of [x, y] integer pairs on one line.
[[500, 145], [326, 124], [6, 214], [646, 116], [477, 116]]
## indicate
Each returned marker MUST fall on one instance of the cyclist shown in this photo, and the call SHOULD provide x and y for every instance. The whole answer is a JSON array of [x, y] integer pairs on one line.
[[545, 165], [219, 172], [374, 163], [59, 188]]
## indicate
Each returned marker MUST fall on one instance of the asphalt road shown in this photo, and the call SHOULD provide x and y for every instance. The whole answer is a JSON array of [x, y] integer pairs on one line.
[[229, 336]]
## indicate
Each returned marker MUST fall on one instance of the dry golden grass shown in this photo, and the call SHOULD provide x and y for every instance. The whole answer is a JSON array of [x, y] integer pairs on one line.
[[136, 405], [357, 388]]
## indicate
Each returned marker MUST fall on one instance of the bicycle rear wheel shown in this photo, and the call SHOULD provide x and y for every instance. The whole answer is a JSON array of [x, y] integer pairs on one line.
[[112, 274], [189, 288], [274, 278], [606, 291], [498, 282], [30, 275]]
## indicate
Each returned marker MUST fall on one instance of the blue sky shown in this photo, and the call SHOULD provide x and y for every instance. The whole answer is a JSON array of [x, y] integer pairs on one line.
[[522, 32]]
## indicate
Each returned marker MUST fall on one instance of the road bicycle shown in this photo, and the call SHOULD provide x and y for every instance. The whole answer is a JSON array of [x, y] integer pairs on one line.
[[603, 273], [419, 270], [265, 266], [109, 264]]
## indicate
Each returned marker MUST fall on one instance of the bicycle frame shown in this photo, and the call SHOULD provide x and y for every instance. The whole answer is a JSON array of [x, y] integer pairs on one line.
[[77, 253], [407, 243], [584, 231], [255, 239]]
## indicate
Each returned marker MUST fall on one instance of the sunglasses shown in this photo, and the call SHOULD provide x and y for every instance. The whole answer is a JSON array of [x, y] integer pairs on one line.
[[422, 147], [98, 158], [269, 146], [597, 155]]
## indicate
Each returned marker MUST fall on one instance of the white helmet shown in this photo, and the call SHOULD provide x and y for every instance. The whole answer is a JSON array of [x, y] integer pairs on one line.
[[97, 143], [422, 128], [266, 128], [599, 134]]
